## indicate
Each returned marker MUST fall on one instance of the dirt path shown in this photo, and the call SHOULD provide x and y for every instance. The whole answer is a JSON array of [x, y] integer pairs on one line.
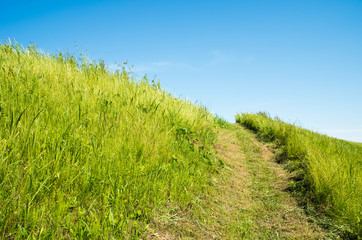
[[249, 200], [254, 194]]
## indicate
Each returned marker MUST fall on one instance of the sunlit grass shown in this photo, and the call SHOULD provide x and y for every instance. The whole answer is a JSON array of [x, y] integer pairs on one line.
[[329, 168], [88, 153]]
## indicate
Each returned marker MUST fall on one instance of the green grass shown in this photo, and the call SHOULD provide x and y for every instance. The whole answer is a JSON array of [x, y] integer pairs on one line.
[[88, 153], [328, 170]]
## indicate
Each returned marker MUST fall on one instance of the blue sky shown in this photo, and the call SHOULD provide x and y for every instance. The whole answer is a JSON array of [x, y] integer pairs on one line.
[[300, 60]]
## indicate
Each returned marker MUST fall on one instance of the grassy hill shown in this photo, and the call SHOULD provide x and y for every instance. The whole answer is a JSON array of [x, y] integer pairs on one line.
[[85, 152], [327, 170]]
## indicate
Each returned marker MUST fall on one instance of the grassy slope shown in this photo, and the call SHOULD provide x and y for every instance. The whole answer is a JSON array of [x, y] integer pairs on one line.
[[86, 153], [329, 168]]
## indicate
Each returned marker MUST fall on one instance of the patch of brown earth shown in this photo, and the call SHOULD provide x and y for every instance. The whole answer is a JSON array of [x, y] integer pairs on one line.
[[237, 198], [231, 195]]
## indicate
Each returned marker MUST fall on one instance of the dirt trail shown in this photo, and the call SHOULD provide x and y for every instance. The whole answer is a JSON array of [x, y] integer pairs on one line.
[[249, 200], [257, 185]]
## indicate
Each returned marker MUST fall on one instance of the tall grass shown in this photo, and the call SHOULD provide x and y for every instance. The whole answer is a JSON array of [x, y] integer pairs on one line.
[[330, 168], [88, 153]]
